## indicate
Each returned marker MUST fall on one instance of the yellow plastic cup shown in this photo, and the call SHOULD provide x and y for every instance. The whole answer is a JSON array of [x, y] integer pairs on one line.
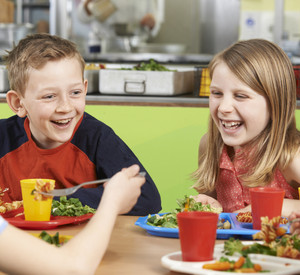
[[299, 192], [35, 210]]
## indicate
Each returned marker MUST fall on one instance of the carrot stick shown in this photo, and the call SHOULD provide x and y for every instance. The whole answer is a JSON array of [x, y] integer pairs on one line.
[[220, 266], [239, 263]]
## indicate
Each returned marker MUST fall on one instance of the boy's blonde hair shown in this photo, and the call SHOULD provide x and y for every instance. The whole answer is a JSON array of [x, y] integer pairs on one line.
[[34, 51], [265, 68]]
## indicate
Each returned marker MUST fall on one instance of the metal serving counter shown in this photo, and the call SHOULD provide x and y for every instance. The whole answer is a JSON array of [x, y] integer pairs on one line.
[[183, 59], [182, 100]]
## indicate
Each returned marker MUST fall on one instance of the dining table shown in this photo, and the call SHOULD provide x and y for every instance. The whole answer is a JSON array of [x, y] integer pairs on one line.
[[131, 250]]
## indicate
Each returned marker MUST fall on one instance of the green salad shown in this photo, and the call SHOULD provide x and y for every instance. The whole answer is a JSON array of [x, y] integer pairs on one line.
[[169, 220], [287, 246], [70, 207]]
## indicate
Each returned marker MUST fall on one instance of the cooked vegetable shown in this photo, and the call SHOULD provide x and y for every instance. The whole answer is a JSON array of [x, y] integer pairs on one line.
[[232, 246], [219, 266], [239, 263], [70, 207], [242, 265], [288, 246], [50, 239], [152, 65], [275, 242]]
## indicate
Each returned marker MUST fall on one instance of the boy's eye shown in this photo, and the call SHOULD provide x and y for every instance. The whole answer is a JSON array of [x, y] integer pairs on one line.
[[48, 96], [76, 92]]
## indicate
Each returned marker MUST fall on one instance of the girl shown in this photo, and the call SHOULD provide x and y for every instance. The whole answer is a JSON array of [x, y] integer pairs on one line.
[[22, 253], [252, 138]]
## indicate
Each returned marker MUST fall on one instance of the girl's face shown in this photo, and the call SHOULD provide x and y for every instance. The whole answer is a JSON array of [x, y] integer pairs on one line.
[[54, 101], [239, 112]]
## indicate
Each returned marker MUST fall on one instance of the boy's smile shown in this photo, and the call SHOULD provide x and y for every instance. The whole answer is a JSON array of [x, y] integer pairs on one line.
[[239, 112], [54, 101]]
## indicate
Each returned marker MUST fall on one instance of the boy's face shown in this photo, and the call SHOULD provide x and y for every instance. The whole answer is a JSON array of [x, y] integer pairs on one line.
[[54, 101]]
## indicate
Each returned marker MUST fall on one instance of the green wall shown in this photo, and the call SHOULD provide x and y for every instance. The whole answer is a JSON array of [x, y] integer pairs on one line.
[[165, 139]]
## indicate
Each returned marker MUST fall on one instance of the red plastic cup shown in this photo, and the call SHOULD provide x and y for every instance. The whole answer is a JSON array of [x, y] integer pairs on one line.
[[197, 234], [265, 202]]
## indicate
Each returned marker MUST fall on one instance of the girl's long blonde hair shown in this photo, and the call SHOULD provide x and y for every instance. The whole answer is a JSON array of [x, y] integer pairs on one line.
[[265, 68]]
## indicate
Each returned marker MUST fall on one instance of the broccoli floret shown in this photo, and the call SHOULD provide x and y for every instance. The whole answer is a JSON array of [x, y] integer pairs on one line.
[[233, 245]]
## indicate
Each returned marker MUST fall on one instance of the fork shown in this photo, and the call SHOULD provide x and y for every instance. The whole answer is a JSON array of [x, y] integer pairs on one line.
[[72, 190]]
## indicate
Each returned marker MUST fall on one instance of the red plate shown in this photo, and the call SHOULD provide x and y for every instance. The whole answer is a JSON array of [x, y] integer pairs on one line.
[[54, 222], [12, 213]]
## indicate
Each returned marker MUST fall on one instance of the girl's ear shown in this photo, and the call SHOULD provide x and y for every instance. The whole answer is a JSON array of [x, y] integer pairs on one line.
[[14, 101]]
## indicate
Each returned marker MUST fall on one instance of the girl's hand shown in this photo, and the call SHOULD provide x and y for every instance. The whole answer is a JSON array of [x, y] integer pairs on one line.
[[295, 226], [207, 200]]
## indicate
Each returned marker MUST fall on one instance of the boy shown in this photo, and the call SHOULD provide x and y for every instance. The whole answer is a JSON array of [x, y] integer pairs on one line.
[[51, 136]]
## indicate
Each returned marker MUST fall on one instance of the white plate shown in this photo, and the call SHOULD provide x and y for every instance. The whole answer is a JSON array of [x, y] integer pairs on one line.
[[276, 265]]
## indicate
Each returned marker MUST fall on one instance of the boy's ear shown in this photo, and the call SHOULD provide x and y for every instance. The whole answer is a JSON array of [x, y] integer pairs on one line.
[[85, 86], [14, 101]]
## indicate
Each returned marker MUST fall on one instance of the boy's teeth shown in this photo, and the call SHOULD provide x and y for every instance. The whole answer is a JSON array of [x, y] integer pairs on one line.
[[63, 121]]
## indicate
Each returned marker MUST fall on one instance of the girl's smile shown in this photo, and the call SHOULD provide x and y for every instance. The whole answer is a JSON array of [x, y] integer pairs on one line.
[[239, 112]]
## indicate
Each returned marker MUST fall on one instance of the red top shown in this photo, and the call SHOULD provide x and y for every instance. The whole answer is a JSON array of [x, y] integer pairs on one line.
[[30, 161], [232, 194]]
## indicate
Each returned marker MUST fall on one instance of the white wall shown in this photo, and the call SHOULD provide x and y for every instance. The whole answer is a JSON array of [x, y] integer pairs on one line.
[[182, 24]]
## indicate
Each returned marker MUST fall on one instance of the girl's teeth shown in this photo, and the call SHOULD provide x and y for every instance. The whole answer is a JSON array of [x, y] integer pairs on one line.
[[230, 124]]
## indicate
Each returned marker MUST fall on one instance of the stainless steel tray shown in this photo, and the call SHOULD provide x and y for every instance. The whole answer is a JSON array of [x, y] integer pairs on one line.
[[130, 82], [4, 84], [92, 77]]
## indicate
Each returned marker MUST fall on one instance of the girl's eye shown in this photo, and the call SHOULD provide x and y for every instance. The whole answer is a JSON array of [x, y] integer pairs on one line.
[[216, 93], [241, 96]]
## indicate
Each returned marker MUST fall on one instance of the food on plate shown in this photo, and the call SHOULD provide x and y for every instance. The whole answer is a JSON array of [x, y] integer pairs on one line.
[[242, 265], [42, 185], [2, 192], [244, 217], [8, 206], [275, 242], [247, 217], [223, 224], [169, 220], [56, 239], [270, 229], [94, 66], [70, 207]]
